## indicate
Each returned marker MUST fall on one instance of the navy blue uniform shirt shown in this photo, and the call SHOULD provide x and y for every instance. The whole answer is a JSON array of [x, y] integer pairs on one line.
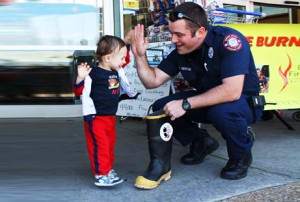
[[224, 53]]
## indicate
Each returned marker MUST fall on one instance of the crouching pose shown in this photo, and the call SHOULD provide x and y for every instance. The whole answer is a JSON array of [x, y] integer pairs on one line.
[[218, 64]]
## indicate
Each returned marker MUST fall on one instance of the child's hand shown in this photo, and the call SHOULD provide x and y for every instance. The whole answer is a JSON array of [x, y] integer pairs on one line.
[[128, 37], [83, 70]]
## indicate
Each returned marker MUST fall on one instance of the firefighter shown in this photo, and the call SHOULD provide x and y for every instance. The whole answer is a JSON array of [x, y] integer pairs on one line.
[[218, 64]]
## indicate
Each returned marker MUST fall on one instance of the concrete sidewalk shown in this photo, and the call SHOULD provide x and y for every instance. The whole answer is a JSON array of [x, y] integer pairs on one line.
[[46, 160]]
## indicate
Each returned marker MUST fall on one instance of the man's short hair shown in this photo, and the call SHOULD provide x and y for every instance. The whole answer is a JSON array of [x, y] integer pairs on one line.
[[193, 11]]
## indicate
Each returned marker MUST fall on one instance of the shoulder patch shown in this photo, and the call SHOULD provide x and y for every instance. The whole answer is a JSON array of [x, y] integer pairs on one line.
[[232, 42]]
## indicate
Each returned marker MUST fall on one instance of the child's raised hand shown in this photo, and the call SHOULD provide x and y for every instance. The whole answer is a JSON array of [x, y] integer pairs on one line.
[[83, 70], [128, 37]]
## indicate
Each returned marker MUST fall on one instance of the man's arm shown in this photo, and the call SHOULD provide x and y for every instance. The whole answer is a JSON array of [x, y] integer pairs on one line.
[[230, 90], [150, 77]]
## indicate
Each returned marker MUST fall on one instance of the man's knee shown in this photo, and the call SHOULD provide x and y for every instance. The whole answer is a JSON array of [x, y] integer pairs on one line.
[[218, 117]]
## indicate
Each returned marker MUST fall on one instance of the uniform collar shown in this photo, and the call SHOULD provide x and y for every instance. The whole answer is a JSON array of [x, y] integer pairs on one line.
[[208, 42], [196, 54], [209, 37]]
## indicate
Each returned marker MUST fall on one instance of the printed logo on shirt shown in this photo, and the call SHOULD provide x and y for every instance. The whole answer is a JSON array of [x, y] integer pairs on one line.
[[113, 83], [232, 42], [113, 76], [185, 69]]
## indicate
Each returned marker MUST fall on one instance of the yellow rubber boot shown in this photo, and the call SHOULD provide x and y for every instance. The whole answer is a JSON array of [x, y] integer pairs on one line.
[[159, 131]]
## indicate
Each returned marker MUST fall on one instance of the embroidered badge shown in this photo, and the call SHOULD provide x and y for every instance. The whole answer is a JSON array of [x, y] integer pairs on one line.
[[232, 42], [210, 52]]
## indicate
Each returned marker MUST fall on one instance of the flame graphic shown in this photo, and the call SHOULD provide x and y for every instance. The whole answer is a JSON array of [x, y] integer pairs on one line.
[[284, 74]]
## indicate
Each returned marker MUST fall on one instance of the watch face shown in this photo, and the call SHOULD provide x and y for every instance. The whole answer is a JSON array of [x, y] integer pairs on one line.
[[186, 105]]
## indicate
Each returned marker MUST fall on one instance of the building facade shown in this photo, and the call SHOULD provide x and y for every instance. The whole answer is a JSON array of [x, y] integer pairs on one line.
[[37, 52]]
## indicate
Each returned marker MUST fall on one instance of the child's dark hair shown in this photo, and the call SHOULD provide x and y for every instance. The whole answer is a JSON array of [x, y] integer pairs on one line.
[[108, 44]]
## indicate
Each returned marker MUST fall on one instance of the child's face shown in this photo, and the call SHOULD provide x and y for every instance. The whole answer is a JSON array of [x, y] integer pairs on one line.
[[118, 58]]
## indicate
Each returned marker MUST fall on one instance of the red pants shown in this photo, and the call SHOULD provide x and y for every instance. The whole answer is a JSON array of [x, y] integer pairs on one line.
[[100, 136]]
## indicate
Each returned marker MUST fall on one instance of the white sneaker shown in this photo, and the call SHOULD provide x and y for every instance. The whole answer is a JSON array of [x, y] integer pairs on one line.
[[106, 181], [112, 174]]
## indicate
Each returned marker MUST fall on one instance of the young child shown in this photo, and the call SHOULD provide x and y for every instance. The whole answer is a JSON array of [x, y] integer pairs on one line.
[[100, 89]]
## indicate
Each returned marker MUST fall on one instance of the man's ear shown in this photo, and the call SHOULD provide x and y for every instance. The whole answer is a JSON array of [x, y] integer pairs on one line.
[[200, 33]]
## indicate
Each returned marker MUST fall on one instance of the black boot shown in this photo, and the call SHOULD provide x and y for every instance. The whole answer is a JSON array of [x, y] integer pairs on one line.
[[159, 132], [200, 148], [237, 168]]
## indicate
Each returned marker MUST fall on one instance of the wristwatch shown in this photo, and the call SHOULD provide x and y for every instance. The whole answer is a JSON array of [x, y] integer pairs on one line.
[[186, 105]]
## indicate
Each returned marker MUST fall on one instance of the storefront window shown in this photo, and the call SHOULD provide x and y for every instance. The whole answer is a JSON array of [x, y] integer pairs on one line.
[[271, 10], [235, 7], [139, 16], [274, 14], [154, 17], [38, 42]]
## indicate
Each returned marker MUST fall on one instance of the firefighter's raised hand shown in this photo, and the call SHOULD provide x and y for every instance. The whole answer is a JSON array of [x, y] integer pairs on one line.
[[139, 41]]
